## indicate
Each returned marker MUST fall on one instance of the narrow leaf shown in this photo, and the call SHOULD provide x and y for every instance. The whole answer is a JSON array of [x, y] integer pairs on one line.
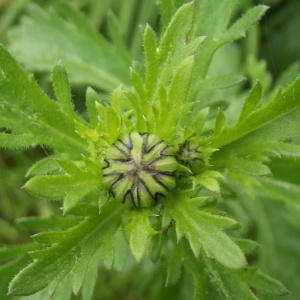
[[177, 30], [251, 102], [62, 89], [17, 140]]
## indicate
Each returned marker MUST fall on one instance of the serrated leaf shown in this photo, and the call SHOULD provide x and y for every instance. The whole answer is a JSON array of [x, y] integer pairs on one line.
[[72, 188], [29, 111], [239, 28], [204, 232], [285, 104], [57, 261], [215, 280], [273, 123]]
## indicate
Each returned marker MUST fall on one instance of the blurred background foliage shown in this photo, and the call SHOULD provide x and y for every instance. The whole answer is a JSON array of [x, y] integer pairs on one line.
[[270, 52]]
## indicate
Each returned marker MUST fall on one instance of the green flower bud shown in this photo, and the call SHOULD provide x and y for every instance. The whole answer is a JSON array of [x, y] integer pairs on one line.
[[140, 169], [194, 156]]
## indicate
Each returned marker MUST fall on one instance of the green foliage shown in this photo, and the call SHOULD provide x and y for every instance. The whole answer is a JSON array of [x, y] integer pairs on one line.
[[83, 50], [224, 152]]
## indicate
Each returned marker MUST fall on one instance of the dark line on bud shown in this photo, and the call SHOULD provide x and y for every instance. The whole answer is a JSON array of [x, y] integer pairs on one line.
[[153, 146], [140, 193], [122, 151]]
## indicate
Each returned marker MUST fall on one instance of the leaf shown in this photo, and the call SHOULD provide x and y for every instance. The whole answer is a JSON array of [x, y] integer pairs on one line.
[[43, 166], [72, 187], [7, 271], [25, 109], [239, 28], [16, 251], [167, 9], [248, 246], [81, 267], [278, 190], [211, 278], [116, 33], [247, 166], [177, 31], [116, 100], [113, 125], [215, 28], [204, 232], [140, 229], [90, 278], [59, 259], [214, 18], [173, 108], [151, 57], [200, 119], [42, 223], [220, 122], [181, 82], [284, 103], [62, 89], [262, 282], [219, 82], [174, 263], [276, 121], [251, 102], [88, 57], [17, 140], [92, 98]]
